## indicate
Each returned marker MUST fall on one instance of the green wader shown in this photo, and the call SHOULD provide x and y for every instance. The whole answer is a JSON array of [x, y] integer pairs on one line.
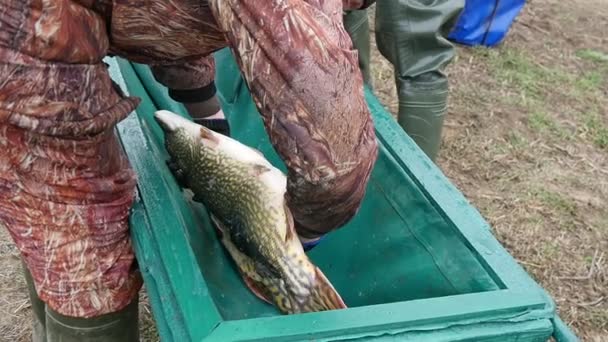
[[50, 326], [356, 24], [410, 34]]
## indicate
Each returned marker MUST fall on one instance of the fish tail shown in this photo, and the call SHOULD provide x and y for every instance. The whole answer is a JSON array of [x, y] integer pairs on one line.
[[325, 295]]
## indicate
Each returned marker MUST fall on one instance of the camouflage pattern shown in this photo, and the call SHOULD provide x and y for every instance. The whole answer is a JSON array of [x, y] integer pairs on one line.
[[65, 184], [305, 80]]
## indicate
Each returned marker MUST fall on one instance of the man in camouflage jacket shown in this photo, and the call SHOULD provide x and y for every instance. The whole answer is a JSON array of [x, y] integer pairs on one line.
[[66, 187]]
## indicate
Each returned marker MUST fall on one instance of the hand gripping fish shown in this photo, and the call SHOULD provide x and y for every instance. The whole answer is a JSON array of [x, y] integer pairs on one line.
[[245, 195]]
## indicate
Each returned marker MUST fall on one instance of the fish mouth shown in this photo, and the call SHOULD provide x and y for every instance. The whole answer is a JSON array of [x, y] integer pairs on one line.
[[170, 121]]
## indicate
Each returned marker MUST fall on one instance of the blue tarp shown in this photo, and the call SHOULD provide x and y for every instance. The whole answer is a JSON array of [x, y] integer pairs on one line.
[[485, 22]]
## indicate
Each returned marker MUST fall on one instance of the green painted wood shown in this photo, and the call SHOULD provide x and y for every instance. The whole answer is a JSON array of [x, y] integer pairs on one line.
[[485, 332], [562, 332], [400, 317], [163, 303], [171, 228], [417, 260], [537, 330], [167, 315]]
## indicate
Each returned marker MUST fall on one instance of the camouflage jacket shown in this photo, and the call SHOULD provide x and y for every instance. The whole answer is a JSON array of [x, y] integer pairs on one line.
[[294, 54]]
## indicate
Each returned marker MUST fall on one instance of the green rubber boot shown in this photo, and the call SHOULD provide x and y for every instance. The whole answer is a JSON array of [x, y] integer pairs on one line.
[[356, 24], [38, 308], [422, 108], [121, 326], [411, 34]]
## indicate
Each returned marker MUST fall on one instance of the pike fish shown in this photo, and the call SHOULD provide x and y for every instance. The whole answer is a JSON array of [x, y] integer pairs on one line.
[[245, 196]]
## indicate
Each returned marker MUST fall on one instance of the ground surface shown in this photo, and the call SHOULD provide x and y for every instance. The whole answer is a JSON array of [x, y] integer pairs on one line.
[[526, 140]]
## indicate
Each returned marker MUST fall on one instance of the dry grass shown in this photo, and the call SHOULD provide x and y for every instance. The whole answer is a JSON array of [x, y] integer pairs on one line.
[[14, 304], [526, 140]]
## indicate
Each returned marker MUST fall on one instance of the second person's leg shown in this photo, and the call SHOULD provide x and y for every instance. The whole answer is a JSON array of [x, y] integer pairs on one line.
[[356, 24], [193, 85], [411, 35]]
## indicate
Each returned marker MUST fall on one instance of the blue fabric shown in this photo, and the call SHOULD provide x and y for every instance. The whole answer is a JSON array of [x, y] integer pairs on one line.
[[311, 244], [485, 22]]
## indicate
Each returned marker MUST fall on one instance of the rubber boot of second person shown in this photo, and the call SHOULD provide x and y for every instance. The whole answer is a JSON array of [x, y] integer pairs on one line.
[[411, 34], [422, 109], [356, 24], [121, 326], [38, 308]]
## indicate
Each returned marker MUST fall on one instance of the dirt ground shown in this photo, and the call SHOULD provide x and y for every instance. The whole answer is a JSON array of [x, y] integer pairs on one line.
[[526, 140]]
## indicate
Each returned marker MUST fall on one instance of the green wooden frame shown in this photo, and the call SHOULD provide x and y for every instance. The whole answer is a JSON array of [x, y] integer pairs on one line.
[[184, 311]]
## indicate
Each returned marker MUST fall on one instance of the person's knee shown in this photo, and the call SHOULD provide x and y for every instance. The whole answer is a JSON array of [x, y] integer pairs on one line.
[[324, 205]]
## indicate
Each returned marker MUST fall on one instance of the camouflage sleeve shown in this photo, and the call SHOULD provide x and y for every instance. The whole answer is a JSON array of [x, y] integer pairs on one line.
[[171, 33], [175, 38], [304, 78]]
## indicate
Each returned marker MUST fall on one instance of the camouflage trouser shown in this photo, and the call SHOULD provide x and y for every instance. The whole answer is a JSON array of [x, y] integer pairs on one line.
[[65, 185]]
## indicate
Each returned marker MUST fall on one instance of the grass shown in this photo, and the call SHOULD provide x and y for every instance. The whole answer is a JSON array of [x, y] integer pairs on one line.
[[551, 249], [593, 55], [531, 86], [597, 130], [590, 81], [517, 141], [518, 70], [543, 123], [555, 201]]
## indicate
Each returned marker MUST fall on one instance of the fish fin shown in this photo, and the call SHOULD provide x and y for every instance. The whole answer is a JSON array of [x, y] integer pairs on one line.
[[239, 247], [255, 288], [238, 240], [259, 169], [325, 296], [197, 198], [177, 172], [219, 227], [243, 261], [290, 232], [208, 135], [246, 266]]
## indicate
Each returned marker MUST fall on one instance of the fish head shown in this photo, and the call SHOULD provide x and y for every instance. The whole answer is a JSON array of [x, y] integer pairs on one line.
[[181, 134]]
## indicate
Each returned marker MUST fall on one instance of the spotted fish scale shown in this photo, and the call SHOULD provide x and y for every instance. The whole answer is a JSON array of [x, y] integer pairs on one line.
[[246, 197]]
